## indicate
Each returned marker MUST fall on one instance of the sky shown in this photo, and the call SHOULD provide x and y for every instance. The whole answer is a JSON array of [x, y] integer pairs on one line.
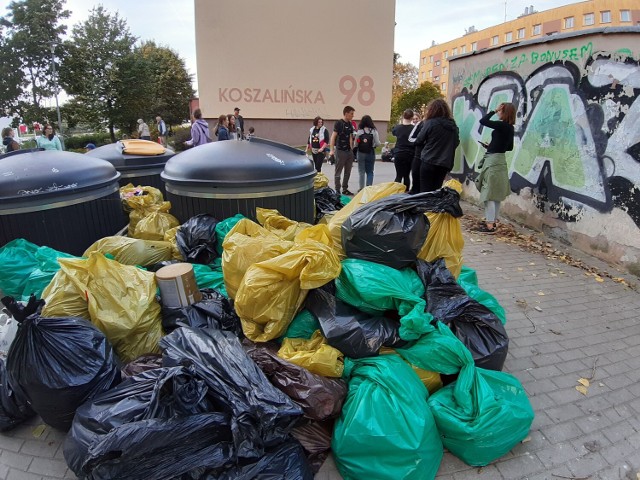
[[418, 22]]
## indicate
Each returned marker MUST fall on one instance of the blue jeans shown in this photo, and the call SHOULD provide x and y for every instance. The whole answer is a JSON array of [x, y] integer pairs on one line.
[[366, 162]]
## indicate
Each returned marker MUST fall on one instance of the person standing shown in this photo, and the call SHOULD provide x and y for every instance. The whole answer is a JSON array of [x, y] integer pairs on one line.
[[49, 140], [367, 139], [8, 141], [317, 142], [493, 181], [162, 131], [143, 130], [234, 131], [404, 149], [199, 130], [341, 144], [415, 163], [441, 138], [222, 130], [239, 123]]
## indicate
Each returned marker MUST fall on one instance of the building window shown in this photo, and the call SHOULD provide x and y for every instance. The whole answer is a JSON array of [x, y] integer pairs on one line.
[[568, 22], [446, 54], [424, 75], [455, 51], [474, 46], [430, 58], [430, 73], [444, 86], [625, 15], [437, 78], [537, 29], [520, 33], [589, 19], [605, 17], [437, 63], [463, 49], [508, 37], [494, 40], [444, 70]]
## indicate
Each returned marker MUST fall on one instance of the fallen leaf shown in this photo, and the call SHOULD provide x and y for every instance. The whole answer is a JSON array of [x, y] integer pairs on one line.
[[553, 274], [532, 263], [528, 439], [498, 268], [582, 390], [599, 279], [555, 332], [537, 308], [534, 274], [560, 272], [584, 381], [541, 294], [520, 269], [601, 384], [39, 430]]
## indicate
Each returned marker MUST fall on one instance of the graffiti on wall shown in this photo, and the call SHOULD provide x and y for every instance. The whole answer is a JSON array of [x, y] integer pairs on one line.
[[577, 131]]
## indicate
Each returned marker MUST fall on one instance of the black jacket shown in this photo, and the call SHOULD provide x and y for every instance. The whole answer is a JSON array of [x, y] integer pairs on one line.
[[440, 137]]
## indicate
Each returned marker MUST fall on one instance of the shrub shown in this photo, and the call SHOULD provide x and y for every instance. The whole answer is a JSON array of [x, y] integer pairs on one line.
[[78, 142], [177, 137]]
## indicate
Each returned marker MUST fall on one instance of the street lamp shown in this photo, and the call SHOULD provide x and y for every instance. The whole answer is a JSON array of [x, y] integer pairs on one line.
[[55, 81]]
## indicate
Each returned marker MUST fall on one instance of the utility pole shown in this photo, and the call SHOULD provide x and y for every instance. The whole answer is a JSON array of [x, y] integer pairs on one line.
[[55, 83]]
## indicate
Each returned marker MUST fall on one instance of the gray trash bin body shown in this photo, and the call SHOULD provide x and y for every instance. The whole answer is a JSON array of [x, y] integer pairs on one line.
[[62, 200], [142, 170], [226, 178]]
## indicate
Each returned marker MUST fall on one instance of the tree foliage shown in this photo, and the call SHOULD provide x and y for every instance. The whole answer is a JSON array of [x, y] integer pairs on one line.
[[27, 34], [405, 77], [170, 82], [415, 99]]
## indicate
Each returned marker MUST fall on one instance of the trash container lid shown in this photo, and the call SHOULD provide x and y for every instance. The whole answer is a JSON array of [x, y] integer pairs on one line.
[[239, 164], [129, 155], [46, 177]]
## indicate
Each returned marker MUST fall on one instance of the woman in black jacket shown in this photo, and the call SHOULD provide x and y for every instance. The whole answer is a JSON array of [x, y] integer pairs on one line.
[[404, 149], [440, 137]]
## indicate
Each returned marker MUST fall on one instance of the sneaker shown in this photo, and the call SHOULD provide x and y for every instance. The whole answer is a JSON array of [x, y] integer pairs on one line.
[[484, 228], [347, 192]]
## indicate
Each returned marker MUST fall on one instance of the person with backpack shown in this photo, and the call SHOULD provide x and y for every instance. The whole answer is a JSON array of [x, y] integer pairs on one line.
[[317, 142], [367, 139], [341, 145]]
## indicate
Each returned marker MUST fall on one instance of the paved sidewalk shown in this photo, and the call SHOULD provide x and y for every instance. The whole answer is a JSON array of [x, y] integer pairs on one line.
[[571, 324]]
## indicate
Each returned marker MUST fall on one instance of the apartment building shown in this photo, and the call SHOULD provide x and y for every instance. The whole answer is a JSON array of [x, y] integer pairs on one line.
[[434, 61]]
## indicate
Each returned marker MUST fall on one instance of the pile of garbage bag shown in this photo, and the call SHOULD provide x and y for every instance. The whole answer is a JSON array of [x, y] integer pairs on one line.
[[363, 335]]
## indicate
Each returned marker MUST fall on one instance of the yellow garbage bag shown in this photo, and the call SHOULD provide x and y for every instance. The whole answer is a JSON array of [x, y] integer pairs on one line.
[[121, 302], [314, 354], [65, 296], [170, 236], [272, 291], [445, 238], [431, 380], [279, 224], [132, 251], [139, 197], [245, 244], [366, 195], [320, 181], [155, 225]]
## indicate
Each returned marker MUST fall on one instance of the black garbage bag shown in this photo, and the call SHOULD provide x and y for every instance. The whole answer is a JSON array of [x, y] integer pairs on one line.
[[315, 438], [391, 231], [262, 416], [213, 311], [319, 397], [474, 324], [159, 424], [354, 333], [141, 364], [196, 239], [157, 266], [60, 363], [327, 200], [14, 408]]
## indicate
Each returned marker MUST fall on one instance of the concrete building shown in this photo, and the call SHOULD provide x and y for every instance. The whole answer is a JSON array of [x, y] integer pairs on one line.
[[531, 25]]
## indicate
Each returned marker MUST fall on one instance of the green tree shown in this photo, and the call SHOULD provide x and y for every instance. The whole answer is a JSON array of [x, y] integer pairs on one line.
[[405, 77], [169, 81], [415, 99], [102, 73], [28, 32]]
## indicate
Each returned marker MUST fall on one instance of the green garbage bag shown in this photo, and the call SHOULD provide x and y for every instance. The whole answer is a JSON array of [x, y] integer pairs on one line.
[[483, 414], [302, 326], [210, 276], [27, 268], [344, 200], [374, 288], [224, 227], [386, 430], [469, 281]]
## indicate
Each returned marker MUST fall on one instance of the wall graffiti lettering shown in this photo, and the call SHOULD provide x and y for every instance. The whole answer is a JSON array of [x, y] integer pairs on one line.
[[577, 136]]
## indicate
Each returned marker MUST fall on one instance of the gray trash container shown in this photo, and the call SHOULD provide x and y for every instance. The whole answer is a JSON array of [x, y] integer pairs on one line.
[[62, 200], [230, 177], [138, 169]]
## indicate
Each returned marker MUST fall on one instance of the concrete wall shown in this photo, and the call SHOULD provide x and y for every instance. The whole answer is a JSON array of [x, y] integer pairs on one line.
[[575, 167]]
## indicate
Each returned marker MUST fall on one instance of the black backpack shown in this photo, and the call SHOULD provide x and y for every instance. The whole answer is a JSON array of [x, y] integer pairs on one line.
[[365, 142]]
